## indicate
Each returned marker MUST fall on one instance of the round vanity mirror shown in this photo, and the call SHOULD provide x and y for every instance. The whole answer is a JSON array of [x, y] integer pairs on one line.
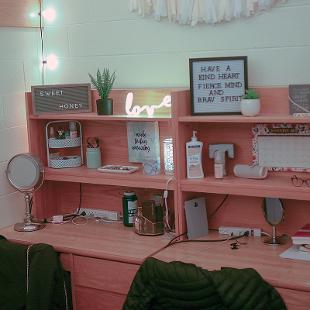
[[274, 212], [25, 173]]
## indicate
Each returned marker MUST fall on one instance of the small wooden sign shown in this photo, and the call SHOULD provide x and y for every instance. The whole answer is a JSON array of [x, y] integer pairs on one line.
[[217, 84], [299, 99], [62, 99]]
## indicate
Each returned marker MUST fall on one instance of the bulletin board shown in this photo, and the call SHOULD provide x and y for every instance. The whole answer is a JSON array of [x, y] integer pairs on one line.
[[282, 147]]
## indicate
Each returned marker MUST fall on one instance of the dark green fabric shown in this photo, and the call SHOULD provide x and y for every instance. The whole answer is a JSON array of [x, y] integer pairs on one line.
[[47, 278], [176, 285]]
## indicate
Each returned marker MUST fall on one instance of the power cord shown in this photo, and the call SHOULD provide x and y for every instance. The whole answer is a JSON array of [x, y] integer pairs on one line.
[[80, 201], [165, 196], [218, 207], [174, 241]]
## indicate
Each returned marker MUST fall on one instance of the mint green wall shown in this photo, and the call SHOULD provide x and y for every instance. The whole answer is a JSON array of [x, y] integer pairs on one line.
[[19, 67], [147, 53]]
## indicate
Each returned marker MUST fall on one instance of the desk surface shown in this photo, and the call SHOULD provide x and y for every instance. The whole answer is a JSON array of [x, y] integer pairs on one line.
[[116, 242], [285, 273], [100, 240]]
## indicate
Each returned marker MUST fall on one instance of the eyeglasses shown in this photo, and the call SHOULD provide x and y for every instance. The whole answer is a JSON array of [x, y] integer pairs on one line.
[[298, 182]]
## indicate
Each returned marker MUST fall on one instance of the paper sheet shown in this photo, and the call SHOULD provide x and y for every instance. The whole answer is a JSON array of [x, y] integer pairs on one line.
[[294, 253]]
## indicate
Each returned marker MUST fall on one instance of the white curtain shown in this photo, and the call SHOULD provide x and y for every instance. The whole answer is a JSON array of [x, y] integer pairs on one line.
[[196, 11]]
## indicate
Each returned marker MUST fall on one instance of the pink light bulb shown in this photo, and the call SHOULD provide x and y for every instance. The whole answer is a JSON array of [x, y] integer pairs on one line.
[[51, 62], [49, 14]]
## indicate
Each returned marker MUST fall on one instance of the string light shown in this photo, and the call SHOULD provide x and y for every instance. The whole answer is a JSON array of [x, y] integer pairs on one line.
[[51, 61], [49, 14]]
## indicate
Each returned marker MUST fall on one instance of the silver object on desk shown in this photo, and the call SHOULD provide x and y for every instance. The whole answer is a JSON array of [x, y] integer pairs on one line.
[[274, 213], [25, 173]]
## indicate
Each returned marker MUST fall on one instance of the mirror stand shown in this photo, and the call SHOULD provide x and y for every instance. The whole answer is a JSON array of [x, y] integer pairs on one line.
[[26, 174], [274, 239], [28, 225], [274, 212]]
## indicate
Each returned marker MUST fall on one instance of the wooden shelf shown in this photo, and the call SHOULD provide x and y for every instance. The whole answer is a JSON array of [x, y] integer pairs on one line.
[[273, 186], [96, 117], [92, 176], [282, 118]]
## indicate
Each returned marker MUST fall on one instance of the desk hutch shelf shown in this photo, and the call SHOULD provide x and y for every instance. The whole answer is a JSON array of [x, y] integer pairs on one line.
[[103, 259]]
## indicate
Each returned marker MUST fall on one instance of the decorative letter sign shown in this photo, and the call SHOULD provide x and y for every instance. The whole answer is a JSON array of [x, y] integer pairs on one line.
[[137, 110], [217, 84], [62, 99]]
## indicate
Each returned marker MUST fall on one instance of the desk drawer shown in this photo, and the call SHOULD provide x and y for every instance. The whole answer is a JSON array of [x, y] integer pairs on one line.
[[92, 299], [66, 261], [104, 274], [295, 300]]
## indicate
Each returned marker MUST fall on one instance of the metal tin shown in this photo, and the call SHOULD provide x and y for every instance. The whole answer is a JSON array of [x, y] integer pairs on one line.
[[130, 207]]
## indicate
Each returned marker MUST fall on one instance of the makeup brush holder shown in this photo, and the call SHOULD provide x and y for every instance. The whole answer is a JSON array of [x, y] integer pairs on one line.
[[93, 157]]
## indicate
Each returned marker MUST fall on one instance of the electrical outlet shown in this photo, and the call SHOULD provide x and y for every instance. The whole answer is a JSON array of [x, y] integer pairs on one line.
[[105, 214], [239, 231]]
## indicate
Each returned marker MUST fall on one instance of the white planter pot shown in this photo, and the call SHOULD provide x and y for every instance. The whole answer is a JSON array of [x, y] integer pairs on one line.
[[250, 107]]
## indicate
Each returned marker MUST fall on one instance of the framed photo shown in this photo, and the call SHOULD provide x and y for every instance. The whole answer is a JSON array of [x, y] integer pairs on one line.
[[217, 84]]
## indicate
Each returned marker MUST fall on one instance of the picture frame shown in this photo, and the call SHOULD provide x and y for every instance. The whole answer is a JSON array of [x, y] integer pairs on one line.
[[61, 98], [143, 141], [217, 84], [299, 99]]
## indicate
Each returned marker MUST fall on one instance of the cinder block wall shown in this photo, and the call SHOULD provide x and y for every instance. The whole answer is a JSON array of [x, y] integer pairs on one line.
[[18, 63], [147, 53]]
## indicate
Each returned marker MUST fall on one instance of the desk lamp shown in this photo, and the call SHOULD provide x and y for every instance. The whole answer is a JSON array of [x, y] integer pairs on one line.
[[25, 173]]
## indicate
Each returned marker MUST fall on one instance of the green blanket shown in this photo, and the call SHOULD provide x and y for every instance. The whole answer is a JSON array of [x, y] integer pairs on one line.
[[176, 285], [48, 285]]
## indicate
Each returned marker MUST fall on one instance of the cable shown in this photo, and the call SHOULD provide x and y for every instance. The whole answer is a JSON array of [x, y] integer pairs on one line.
[[80, 202], [42, 44], [168, 227], [219, 207], [173, 241], [77, 220]]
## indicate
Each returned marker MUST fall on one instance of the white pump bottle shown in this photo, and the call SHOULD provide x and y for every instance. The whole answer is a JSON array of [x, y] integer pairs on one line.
[[194, 157]]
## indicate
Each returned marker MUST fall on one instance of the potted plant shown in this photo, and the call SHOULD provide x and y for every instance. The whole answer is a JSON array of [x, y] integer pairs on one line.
[[250, 103], [103, 83]]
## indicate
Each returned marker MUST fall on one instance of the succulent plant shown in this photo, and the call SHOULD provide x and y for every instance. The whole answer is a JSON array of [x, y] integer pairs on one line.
[[250, 94], [103, 82]]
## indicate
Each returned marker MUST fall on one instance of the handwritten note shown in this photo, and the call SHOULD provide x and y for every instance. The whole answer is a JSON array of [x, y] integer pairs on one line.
[[143, 141]]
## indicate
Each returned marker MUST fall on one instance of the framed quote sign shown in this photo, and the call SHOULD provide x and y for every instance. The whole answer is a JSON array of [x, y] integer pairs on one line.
[[217, 84]]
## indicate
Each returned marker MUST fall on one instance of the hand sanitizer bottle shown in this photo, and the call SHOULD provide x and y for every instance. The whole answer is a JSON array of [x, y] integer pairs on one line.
[[193, 158]]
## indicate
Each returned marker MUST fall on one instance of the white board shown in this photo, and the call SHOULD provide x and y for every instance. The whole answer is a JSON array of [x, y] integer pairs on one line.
[[284, 151]]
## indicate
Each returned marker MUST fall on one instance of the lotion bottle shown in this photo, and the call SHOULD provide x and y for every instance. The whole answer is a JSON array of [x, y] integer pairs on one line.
[[193, 158]]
